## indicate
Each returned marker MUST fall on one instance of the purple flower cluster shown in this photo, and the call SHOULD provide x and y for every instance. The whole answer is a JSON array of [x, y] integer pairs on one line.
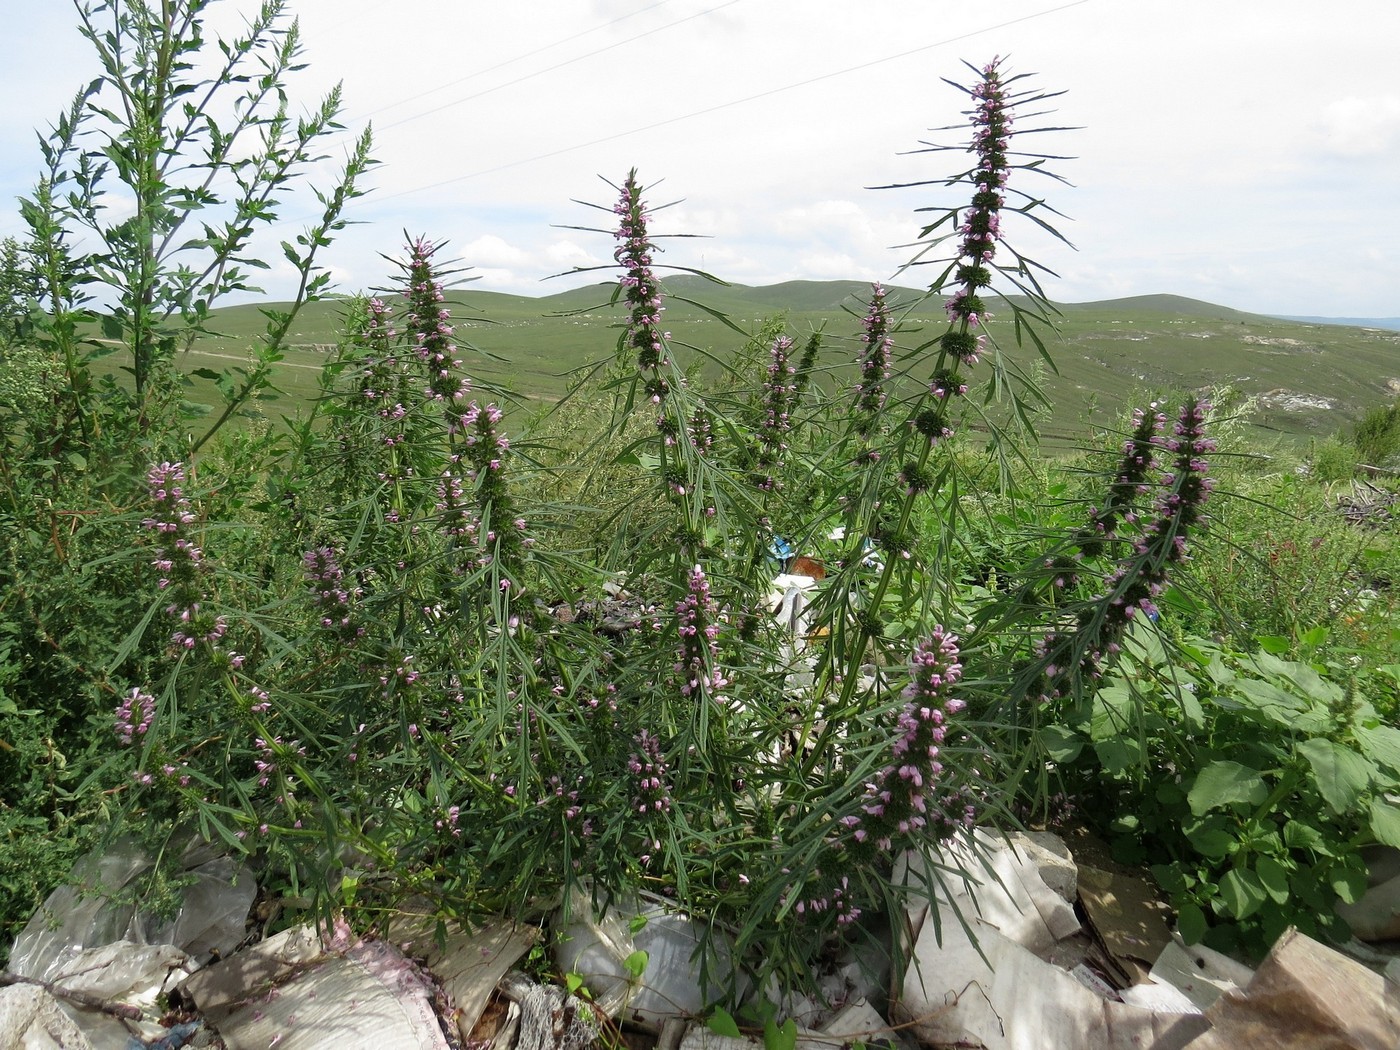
[[981, 225], [179, 559], [876, 345], [333, 597], [486, 447], [134, 716], [903, 798], [380, 381], [837, 901], [652, 791], [643, 293], [779, 401], [697, 658], [1141, 576], [427, 324], [1130, 483]]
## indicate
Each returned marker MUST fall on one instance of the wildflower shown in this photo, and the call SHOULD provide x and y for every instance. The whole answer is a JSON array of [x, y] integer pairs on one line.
[[1141, 576], [779, 401], [697, 656], [134, 716], [905, 796], [179, 560], [652, 792], [874, 362], [333, 598], [427, 321], [643, 294]]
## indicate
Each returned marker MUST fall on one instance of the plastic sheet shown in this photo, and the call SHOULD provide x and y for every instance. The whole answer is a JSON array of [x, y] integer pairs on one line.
[[96, 908]]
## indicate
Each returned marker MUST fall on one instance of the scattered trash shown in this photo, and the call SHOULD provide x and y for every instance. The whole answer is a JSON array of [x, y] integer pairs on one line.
[[648, 975], [96, 908], [295, 992], [467, 964]]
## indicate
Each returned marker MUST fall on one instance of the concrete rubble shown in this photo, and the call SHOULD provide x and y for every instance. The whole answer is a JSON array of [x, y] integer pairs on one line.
[[1005, 943]]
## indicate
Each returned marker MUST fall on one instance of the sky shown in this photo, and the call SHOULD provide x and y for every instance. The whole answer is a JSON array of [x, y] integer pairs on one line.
[[1244, 153]]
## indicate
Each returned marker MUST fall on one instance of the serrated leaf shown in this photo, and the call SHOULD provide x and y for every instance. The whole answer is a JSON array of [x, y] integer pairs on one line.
[[1225, 783], [1340, 773], [1385, 821], [1381, 744], [1242, 893]]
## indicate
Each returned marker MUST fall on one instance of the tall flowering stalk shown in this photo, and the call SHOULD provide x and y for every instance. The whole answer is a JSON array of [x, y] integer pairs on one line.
[[905, 798], [697, 657], [640, 287], [1131, 482], [779, 402], [1072, 657], [334, 598], [427, 321], [876, 343], [180, 560]]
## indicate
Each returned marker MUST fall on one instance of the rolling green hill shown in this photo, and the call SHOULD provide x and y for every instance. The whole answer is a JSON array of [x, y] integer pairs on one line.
[[1309, 379]]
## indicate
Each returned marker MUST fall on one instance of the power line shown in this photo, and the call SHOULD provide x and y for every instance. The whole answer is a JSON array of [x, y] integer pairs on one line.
[[733, 102], [520, 58]]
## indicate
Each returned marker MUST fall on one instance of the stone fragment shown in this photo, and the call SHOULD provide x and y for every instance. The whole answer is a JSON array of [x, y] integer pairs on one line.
[[1305, 996]]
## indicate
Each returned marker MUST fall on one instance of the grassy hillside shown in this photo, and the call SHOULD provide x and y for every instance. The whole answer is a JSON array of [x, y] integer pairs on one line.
[[1309, 378]]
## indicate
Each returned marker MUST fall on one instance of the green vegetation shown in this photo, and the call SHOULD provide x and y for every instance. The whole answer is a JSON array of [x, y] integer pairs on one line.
[[394, 642]]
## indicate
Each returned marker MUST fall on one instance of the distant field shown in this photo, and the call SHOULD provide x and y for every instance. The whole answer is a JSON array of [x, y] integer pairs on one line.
[[1310, 378]]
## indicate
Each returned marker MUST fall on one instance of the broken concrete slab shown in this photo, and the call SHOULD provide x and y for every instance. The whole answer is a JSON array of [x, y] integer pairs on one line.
[[1126, 918], [1198, 973], [1306, 996], [295, 993], [99, 906], [1052, 859], [32, 1019], [600, 949], [977, 980], [990, 879]]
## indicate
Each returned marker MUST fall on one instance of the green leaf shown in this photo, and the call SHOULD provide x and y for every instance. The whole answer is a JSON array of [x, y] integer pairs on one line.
[[784, 1038], [1225, 783], [1297, 835], [1274, 877], [1349, 879], [1060, 743], [636, 964], [1242, 893], [721, 1023], [1191, 923], [1341, 774], [1272, 643], [1210, 837], [1381, 744], [206, 373], [1385, 821]]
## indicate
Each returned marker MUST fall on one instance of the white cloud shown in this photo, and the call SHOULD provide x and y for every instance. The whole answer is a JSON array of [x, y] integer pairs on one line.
[[1361, 127]]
